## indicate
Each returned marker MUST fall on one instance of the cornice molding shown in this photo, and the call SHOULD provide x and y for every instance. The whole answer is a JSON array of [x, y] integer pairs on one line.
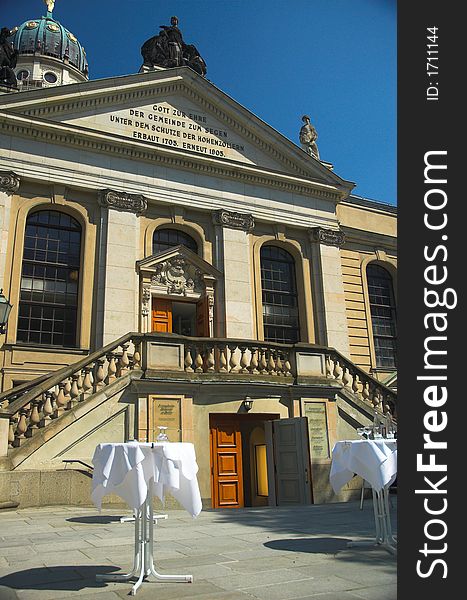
[[234, 220], [96, 141], [9, 182], [328, 237], [135, 203], [193, 89]]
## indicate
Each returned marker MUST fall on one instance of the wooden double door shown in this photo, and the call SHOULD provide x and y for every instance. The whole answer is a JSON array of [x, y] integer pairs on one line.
[[183, 318], [233, 463]]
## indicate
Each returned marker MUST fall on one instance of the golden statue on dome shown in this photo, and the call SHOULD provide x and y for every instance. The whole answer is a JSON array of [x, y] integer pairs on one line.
[[50, 6]]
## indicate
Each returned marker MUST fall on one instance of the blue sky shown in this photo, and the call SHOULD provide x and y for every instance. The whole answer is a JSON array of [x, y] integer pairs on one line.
[[334, 60]]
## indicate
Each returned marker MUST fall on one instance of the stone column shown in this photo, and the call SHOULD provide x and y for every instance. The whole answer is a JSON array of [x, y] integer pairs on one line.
[[119, 243], [9, 185], [234, 261], [327, 282]]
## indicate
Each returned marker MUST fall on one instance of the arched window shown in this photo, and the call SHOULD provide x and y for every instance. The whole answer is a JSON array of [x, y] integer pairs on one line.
[[163, 239], [383, 315], [48, 306], [279, 293]]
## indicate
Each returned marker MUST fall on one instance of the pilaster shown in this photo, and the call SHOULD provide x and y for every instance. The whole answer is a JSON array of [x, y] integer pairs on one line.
[[9, 185], [119, 243], [328, 281], [234, 261]]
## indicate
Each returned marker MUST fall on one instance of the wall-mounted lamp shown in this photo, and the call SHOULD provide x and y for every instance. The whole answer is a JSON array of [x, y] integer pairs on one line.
[[248, 403], [5, 308]]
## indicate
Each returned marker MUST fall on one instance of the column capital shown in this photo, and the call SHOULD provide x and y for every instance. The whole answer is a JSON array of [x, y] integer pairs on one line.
[[135, 203], [9, 182], [234, 220], [328, 237]]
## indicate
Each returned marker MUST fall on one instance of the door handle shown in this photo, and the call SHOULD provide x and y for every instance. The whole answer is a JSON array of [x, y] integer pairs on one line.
[[306, 476]]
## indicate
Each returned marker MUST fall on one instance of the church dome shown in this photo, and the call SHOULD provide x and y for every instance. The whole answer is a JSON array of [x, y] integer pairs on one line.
[[48, 37], [48, 53]]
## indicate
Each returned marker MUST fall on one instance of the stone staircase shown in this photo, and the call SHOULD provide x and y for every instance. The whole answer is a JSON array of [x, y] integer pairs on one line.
[[33, 414]]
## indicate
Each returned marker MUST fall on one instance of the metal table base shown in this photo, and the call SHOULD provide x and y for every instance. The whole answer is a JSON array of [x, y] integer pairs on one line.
[[384, 538], [143, 564]]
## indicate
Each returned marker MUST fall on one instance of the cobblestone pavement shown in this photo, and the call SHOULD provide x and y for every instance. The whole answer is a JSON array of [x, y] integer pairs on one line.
[[295, 553]]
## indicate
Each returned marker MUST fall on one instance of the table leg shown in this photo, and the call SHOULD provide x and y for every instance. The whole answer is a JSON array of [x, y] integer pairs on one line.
[[143, 563], [150, 557], [137, 559], [383, 533]]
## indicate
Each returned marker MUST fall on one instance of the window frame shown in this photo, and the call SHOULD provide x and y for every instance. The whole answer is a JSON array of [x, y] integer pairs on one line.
[[388, 268], [291, 261]]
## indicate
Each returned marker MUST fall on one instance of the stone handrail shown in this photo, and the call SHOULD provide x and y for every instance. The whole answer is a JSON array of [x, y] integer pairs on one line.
[[53, 395], [34, 405], [353, 379]]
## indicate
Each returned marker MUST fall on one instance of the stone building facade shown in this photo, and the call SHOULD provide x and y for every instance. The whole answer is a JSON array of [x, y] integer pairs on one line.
[[172, 260]]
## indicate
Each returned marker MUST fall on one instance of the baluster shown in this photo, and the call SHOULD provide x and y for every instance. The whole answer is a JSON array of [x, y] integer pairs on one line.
[[199, 361], [34, 418], [22, 426], [279, 368], [67, 390], [243, 360], [337, 370], [87, 381], [254, 361], [123, 361], [263, 364], [366, 392], [99, 374], [111, 369], [210, 362], [11, 431], [223, 359], [233, 363], [47, 409], [74, 391], [271, 363], [356, 385], [287, 366], [188, 360], [347, 378], [329, 367], [60, 400], [137, 356]]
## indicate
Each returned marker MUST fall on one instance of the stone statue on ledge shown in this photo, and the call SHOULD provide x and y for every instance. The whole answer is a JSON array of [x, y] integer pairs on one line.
[[308, 137], [169, 50], [8, 58]]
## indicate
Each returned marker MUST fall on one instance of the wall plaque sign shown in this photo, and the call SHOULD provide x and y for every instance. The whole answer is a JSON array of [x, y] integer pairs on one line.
[[317, 429], [167, 413]]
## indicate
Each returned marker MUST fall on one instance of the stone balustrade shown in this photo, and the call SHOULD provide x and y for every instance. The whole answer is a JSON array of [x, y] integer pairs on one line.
[[33, 405]]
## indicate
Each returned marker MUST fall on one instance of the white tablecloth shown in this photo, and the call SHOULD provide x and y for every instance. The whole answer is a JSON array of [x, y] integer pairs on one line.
[[374, 460], [126, 469]]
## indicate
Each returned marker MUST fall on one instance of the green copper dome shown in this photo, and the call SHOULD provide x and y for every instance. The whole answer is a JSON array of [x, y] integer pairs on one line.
[[47, 37]]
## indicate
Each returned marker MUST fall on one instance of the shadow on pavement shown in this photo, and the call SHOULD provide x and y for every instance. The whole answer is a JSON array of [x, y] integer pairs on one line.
[[71, 578], [99, 519], [318, 545]]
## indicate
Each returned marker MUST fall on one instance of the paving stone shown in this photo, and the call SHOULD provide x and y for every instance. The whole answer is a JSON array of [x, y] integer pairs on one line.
[[294, 553]]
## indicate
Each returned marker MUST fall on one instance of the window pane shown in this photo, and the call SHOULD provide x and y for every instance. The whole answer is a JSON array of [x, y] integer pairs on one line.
[[50, 279], [279, 295], [163, 239], [383, 316]]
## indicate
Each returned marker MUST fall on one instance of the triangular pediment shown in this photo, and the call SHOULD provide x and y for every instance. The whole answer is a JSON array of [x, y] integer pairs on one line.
[[176, 110], [178, 271]]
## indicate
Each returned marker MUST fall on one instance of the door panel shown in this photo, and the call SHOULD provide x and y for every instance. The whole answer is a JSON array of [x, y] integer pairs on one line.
[[161, 315], [226, 461], [292, 461]]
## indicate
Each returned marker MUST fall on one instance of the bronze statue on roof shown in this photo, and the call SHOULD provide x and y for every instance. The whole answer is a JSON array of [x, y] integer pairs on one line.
[[8, 58], [167, 49]]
